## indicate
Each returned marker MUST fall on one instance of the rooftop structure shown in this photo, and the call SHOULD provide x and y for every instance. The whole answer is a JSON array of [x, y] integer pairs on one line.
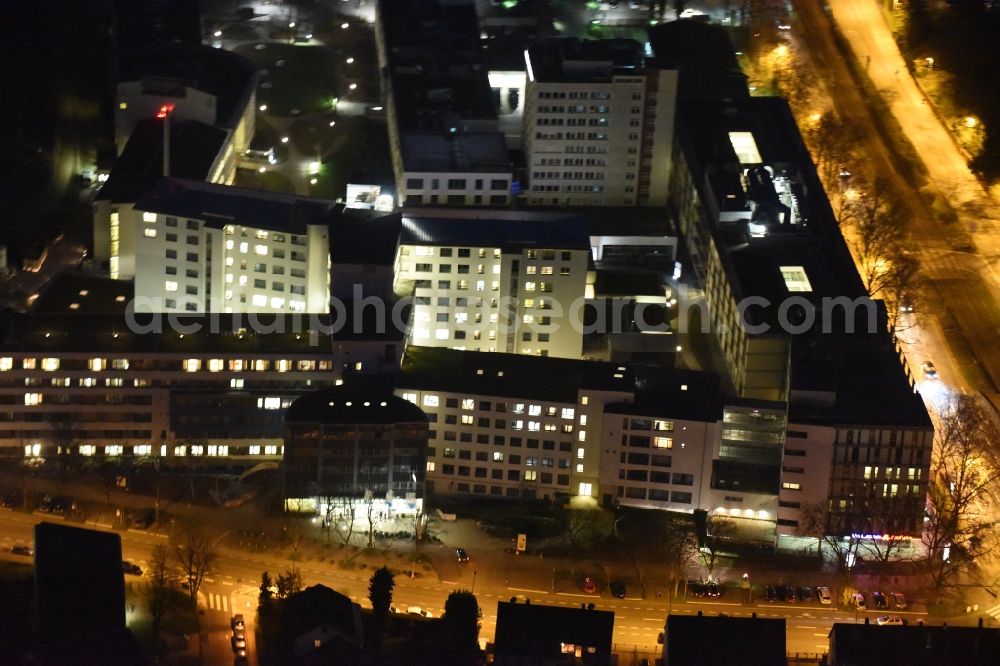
[[705, 57], [706, 640], [916, 645], [528, 633]]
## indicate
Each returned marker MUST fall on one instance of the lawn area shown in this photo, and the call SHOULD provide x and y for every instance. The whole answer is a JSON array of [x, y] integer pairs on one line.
[[269, 180], [356, 143], [294, 79]]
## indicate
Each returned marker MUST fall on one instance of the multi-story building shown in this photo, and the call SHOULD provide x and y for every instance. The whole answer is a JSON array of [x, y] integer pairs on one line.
[[355, 442], [505, 425], [444, 138], [598, 124], [494, 282], [198, 247], [212, 86]]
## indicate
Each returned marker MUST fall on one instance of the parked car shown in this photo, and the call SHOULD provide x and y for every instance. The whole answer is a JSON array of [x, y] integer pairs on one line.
[[930, 372], [789, 594], [713, 589], [461, 555], [824, 595], [879, 600], [898, 600], [238, 643], [859, 602], [12, 500], [237, 622], [696, 588], [589, 586], [771, 593], [807, 594], [889, 619], [130, 568], [417, 610], [26, 551], [45, 506], [617, 589]]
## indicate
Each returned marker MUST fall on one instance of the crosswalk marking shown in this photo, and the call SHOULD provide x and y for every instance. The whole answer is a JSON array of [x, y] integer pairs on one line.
[[217, 601]]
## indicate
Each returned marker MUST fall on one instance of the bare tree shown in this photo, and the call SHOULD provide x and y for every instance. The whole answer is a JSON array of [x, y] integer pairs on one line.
[[964, 480], [194, 551], [373, 517], [719, 532], [340, 517], [586, 528], [160, 594], [834, 538]]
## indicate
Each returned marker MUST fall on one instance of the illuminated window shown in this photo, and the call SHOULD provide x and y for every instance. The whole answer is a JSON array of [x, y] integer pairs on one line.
[[259, 300], [97, 364], [468, 403], [236, 383], [215, 365], [270, 402], [87, 449], [148, 217], [142, 450], [283, 365], [582, 435], [271, 450], [791, 486], [6, 363], [180, 450], [431, 466], [149, 232], [745, 147], [568, 412], [32, 399], [277, 303], [114, 450], [441, 334], [260, 249], [431, 400], [243, 280], [586, 489], [260, 365], [663, 426], [412, 397], [530, 475], [244, 247], [50, 364], [28, 364], [584, 400], [170, 285], [663, 442], [192, 364], [534, 410], [795, 278], [229, 244]]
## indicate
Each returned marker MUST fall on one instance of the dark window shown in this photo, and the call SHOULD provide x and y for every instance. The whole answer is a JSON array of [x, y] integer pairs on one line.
[[683, 479], [415, 184], [680, 498], [795, 452], [513, 475]]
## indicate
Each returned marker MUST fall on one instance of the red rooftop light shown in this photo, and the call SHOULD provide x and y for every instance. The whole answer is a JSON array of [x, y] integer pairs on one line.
[[164, 110]]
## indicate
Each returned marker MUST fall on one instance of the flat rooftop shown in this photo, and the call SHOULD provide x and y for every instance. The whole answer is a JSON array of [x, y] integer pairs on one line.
[[913, 645], [453, 151], [539, 632], [568, 59], [220, 205], [704, 57], [73, 292], [708, 640], [509, 375], [481, 229]]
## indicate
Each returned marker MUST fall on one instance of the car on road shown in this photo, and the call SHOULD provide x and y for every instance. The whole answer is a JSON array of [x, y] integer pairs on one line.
[[11, 500], [696, 588], [589, 585], [417, 610], [237, 622], [130, 568], [241, 653], [617, 589], [889, 619], [858, 600], [930, 372], [713, 589], [898, 600], [461, 555], [26, 551], [824, 595], [239, 643], [879, 600]]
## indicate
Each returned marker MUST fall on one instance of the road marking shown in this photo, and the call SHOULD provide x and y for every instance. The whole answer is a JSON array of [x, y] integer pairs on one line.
[[804, 626], [822, 635], [652, 619], [226, 582], [519, 589]]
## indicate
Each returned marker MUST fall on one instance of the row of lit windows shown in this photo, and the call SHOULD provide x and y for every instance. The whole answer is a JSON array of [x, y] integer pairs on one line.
[[178, 450]]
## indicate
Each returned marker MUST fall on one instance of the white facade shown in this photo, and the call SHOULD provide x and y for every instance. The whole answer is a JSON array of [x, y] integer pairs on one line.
[[514, 300], [184, 265], [453, 188], [600, 143], [656, 463], [513, 447]]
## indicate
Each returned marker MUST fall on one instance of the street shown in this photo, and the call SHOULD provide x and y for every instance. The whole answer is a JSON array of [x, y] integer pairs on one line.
[[231, 587]]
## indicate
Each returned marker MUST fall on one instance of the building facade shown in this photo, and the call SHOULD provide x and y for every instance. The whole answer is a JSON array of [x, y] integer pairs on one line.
[[598, 125], [514, 285], [197, 247]]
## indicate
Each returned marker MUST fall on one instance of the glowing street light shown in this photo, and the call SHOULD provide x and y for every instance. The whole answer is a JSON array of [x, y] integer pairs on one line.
[[314, 167], [353, 86], [313, 181], [262, 107], [217, 33], [292, 24], [970, 121], [284, 139], [262, 170], [350, 61], [345, 26], [332, 123], [930, 62]]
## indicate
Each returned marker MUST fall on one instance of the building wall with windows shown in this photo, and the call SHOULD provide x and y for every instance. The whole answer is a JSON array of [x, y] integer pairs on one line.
[[183, 259], [654, 462], [345, 442], [454, 188], [509, 426], [805, 475], [494, 294], [603, 138]]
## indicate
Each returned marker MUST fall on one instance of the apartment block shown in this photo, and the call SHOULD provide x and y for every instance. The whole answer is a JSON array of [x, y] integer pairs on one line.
[[505, 425], [598, 124], [492, 282], [197, 247]]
